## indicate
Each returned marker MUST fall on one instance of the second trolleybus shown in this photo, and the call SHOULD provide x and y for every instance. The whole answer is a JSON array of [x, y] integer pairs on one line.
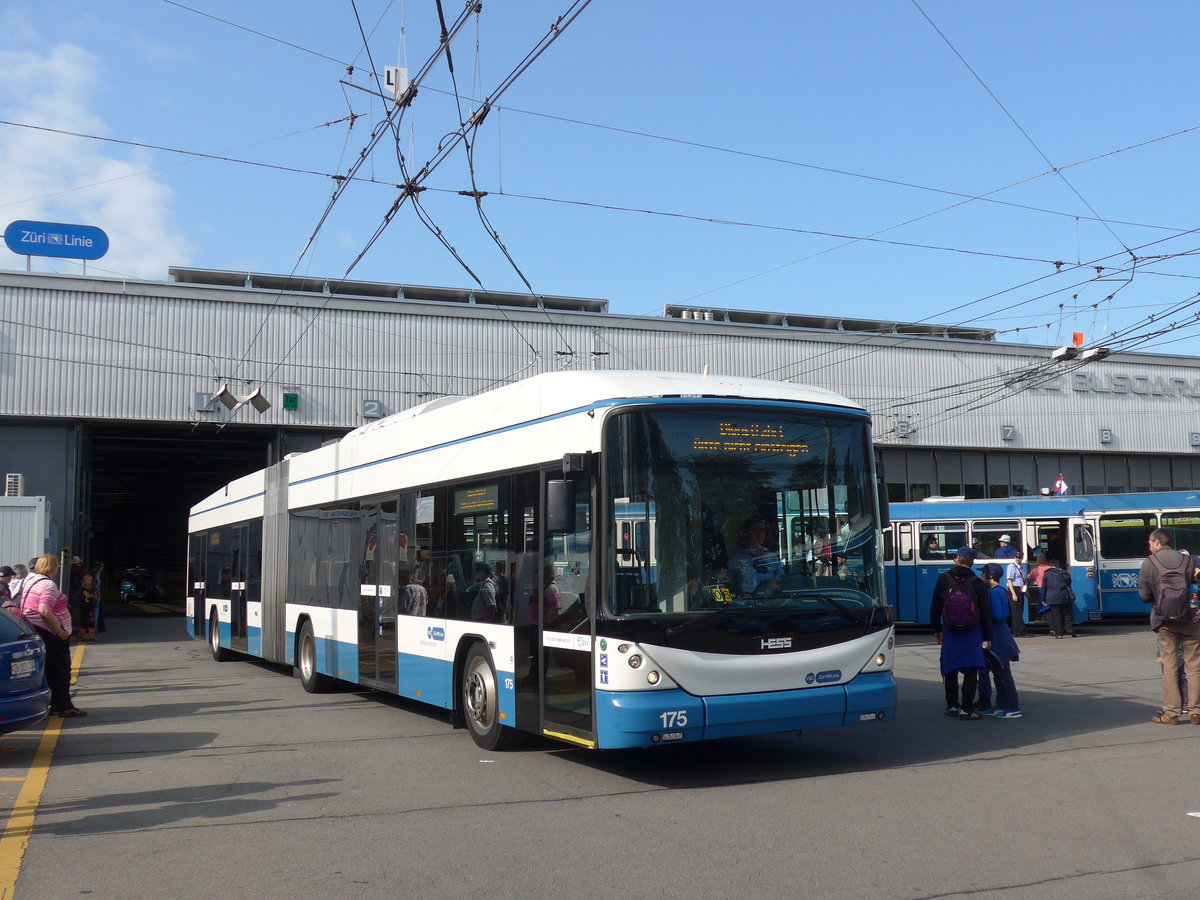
[[1099, 538]]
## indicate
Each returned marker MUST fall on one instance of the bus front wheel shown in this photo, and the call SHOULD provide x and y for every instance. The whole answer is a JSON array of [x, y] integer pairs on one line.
[[481, 701]]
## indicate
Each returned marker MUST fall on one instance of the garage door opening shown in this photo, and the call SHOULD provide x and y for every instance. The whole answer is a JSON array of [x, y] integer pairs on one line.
[[139, 483]]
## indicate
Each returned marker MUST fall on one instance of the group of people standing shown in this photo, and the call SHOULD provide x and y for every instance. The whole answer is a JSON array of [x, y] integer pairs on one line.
[[976, 621], [970, 617], [32, 592]]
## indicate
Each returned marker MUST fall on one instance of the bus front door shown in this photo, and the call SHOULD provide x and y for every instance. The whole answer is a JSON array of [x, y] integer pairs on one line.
[[567, 634]]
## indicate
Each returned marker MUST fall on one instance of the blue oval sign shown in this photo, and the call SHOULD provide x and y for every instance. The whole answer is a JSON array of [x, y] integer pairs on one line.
[[54, 239]]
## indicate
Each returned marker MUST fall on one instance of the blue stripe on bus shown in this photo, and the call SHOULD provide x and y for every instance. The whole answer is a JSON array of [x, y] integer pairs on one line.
[[426, 679], [635, 718], [338, 659], [254, 641], [644, 718]]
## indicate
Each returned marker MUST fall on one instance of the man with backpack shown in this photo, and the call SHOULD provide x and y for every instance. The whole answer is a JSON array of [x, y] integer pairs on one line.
[[960, 615], [1166, 581]]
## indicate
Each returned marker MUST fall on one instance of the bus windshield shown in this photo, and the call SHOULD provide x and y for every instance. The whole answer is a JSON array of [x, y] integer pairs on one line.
[[722, 508]]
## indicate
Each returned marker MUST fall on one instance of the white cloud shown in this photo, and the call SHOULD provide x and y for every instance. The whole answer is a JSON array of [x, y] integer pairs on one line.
[[53, 177]]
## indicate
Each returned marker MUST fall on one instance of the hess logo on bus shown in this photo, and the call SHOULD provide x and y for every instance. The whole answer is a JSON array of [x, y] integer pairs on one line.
[[776, 643]]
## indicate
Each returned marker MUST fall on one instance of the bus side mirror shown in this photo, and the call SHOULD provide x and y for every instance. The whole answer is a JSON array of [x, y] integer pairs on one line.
[[560, 506], [885, 518]]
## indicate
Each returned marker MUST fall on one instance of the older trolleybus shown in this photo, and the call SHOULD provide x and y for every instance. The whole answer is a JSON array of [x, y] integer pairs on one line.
[[1100, 538], [541, 610]]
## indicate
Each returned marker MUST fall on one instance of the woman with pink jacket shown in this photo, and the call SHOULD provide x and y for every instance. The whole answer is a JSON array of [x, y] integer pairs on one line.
[[44, 607]]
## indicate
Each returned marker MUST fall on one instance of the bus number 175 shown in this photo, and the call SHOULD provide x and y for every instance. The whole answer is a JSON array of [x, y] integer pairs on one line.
[[675, 718]]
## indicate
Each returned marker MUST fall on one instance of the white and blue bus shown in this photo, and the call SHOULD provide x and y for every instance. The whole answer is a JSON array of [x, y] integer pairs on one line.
[[306, 563], [1100, 539]]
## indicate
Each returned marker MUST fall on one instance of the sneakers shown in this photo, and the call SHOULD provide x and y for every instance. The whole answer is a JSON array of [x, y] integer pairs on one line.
[[964, 716], [953, 712], [1164, 719], [987, 710], [1006, 713]]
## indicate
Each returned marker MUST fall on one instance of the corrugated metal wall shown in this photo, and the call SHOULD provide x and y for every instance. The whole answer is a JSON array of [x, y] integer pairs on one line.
[[75, 347]]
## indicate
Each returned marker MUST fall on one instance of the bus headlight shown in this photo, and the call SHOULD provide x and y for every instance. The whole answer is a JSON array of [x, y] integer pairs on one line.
[[880, 659], [635, 661], [652, 677]]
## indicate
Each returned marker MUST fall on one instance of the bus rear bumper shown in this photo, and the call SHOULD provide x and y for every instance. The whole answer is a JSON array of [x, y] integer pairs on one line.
[[650, 718]]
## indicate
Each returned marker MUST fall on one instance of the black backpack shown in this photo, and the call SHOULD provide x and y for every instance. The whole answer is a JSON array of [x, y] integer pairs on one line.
[[960, 612], [1173, 591]]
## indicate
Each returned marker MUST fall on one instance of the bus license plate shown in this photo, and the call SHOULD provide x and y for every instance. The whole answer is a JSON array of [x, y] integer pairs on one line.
[[20, 668]]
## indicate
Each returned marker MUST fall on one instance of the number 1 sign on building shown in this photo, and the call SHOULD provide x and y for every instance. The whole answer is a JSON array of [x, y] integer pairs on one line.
[[29, 238]]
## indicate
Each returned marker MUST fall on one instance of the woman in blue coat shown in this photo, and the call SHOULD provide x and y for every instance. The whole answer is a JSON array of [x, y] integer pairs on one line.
[[1000, 655]]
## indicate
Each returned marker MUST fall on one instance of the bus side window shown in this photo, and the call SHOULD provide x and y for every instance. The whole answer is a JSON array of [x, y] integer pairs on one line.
[[1184, 528], [939, 540], [1123, 535]]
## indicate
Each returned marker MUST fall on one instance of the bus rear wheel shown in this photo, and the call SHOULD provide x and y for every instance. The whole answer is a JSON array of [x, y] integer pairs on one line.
[[219, 653], [306, 661], [481, 701]]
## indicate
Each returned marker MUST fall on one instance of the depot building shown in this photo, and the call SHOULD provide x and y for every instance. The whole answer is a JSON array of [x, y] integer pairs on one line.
[[125, 402]]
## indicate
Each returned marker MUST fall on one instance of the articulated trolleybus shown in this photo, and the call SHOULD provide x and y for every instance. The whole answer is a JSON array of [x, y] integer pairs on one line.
[[466, 553]]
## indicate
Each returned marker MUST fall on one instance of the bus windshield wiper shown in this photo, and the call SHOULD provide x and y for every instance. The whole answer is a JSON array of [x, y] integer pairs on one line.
[[705, 620], [846, 611]]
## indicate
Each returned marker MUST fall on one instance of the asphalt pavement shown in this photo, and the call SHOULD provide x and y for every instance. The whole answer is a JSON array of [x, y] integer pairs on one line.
[[191, 778]]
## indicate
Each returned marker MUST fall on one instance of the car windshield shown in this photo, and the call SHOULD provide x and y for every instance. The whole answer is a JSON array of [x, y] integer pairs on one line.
[[713, 510]]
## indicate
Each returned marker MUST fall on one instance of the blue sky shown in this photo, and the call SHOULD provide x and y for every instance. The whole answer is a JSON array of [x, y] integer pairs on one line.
[[796, 157]]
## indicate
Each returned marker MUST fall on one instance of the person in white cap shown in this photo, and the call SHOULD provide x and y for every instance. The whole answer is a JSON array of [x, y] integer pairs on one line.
[[1006, 550]]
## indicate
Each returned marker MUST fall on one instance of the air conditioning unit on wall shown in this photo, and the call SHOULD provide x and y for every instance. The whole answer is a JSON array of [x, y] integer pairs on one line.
[[14, 485]]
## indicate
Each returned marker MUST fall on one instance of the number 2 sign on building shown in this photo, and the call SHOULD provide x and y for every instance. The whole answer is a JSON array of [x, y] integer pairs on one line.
[[29, 238]]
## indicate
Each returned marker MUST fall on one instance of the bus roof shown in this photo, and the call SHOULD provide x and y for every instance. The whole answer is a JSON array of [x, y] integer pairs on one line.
[[540, 397], [554, 392]]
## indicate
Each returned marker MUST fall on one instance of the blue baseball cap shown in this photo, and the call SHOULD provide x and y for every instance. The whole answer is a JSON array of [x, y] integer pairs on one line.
[[965, 553], [993, 571]]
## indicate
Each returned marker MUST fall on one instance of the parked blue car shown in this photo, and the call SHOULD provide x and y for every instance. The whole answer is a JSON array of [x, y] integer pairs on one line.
[[24, 695]]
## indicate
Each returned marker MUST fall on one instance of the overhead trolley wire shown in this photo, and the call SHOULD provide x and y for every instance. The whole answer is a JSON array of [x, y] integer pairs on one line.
[[1019, 127], [395, 112], [901, 339], [413, 185], [252, 31]]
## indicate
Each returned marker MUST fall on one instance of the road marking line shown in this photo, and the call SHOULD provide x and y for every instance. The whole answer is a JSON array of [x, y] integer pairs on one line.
[[17, 831], [14, 840]]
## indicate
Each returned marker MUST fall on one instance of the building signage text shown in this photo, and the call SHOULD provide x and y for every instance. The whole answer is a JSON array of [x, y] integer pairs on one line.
[[1123, 383], [30, 238]]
